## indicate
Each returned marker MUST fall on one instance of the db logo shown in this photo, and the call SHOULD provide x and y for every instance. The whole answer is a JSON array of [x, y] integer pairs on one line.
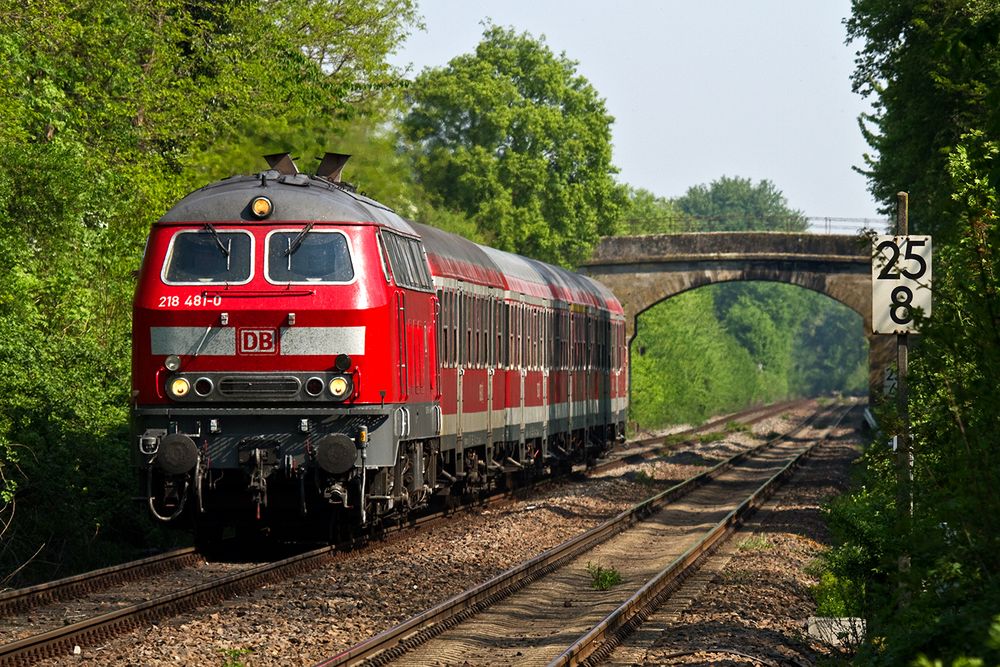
[[258, 341]]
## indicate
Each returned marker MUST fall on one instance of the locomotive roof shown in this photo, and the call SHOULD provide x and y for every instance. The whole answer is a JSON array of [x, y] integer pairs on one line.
[[298, 197]]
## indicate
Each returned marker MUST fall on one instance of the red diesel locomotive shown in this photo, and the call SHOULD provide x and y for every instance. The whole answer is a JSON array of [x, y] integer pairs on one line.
[[303, 356]]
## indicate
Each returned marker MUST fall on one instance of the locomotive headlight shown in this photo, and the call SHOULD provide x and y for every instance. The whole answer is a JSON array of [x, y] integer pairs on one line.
[[173, 362], [340, 386], [179, 387], [261, 207]]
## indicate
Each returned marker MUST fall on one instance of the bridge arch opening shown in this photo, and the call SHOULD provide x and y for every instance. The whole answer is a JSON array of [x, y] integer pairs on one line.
[[722, 344]]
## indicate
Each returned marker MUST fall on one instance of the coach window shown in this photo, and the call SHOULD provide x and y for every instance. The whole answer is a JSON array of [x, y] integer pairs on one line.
[[467, 327], [455, 333], [498, 332], [509, 317], [534, 338], [209, 255], [568, 343], [477, 327], [453, 324]]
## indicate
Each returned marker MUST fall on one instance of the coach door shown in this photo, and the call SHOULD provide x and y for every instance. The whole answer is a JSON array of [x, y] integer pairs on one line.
[[604, 371], [461, 324]]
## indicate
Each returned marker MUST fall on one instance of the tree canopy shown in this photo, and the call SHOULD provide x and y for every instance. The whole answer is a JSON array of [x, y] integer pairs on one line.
[[737, 204], [516, 139], [107, 106], [933, 71]]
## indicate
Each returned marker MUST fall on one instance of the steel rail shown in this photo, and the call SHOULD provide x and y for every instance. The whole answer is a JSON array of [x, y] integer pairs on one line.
[[61, 641], [645, 447], [764, 411], [21, 600], [596, 645], [396, 641]]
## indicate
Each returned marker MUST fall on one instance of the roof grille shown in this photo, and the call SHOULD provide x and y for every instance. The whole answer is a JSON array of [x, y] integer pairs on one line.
[[259, 386]]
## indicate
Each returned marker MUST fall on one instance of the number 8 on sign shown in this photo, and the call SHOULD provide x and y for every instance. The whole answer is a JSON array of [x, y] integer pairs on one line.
[[901, 282]]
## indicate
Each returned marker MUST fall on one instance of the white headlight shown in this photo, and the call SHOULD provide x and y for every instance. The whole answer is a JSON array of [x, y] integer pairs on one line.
[[179, 387], [339, 386]]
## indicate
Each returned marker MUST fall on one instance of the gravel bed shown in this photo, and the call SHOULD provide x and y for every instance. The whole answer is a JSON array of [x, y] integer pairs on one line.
[[316, 615], [753, 610]]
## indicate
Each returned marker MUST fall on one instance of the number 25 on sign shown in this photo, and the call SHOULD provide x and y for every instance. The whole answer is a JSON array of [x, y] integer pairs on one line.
[[901, 282]]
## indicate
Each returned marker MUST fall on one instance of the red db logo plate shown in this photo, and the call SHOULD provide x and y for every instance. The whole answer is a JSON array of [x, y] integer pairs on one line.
[[258, 341]]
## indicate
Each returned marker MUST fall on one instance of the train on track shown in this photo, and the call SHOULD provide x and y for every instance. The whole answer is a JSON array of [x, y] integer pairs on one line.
[[306, 359]]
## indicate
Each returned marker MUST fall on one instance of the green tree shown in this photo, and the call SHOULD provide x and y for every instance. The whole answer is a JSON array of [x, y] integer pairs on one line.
[[515, 139], [933, 69], [737, 204], [105, 106], [647, 213], [685, 366]]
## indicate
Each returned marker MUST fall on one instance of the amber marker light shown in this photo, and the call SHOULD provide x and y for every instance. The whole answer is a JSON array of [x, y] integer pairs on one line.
[[179, 387], [261, 207]]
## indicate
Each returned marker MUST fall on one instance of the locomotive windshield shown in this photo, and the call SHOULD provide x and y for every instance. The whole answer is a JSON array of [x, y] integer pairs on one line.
[[208, 256], [308, 255]]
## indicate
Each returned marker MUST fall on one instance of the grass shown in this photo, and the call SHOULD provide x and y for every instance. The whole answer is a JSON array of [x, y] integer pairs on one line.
[[231, 656], [603, 578], [737, 427], [644, 478], [755, 543]]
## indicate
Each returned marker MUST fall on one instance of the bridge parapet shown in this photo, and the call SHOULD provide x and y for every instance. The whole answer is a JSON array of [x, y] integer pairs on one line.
[[673, 247]]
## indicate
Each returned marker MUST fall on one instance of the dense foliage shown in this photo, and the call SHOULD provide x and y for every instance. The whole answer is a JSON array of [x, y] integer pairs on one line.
[[928, 583], [515, 139], [108, 111], [932, 72]]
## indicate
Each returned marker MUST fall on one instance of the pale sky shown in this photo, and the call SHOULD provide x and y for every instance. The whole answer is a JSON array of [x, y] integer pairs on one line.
[[699, 89]]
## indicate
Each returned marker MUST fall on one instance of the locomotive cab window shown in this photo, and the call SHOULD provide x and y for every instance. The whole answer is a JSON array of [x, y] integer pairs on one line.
[[308, 256], [208, 255]]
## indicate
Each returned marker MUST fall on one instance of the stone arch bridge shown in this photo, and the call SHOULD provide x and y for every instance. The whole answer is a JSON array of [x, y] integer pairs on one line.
[[644, 270]]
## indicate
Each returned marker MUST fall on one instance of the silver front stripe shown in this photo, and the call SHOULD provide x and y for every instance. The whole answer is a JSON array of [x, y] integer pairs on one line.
[[219, 341], [322, 340]]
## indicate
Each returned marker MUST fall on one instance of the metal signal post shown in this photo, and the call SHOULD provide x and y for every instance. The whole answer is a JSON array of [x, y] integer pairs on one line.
[[904, 453], [902, 276]]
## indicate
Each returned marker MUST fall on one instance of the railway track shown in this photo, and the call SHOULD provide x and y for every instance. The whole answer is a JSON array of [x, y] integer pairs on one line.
[[636, 450], [22, 600], [546, 612], [100, 627]]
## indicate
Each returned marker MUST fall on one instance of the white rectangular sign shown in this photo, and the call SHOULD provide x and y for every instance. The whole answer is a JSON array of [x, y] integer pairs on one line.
[[901, 282]]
